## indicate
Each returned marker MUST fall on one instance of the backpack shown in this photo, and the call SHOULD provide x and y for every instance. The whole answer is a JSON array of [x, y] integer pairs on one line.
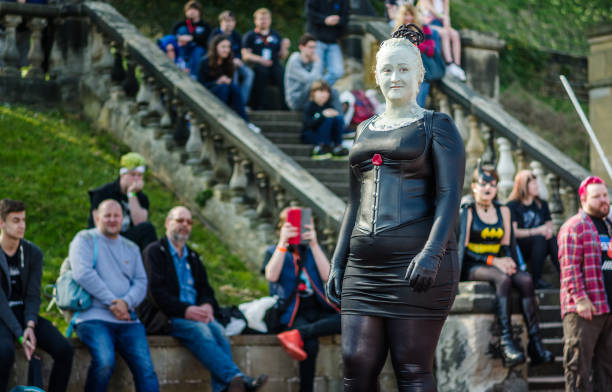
[[68, 295], [363, 107]]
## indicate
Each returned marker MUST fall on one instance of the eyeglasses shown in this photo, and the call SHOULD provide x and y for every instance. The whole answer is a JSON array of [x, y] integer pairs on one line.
[[184, 220]]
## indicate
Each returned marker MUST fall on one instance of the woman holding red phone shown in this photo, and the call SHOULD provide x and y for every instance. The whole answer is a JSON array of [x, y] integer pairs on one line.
[[297, 273]]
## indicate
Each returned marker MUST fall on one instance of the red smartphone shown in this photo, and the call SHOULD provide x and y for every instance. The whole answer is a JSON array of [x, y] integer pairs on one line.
[[299, 217]]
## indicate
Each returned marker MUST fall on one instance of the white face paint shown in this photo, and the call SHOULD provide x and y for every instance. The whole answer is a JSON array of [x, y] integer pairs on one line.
[[397, 74]]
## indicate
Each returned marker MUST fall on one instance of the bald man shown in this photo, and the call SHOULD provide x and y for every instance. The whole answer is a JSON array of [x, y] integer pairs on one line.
[[179, 288], [117, 283]]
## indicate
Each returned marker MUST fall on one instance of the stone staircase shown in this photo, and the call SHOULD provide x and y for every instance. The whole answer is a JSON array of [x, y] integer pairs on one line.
[[285, 130], [549, 376]]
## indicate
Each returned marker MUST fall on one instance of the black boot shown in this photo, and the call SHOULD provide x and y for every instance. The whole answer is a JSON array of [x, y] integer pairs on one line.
[[536, 350], [511, 355]]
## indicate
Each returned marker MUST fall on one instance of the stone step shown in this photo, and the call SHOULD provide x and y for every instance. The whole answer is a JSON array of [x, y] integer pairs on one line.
[[296, 150], [283, 137], [308, 163], [550, 313], [551, 330], [289, 127], [548, 297], [546, 369], [554, 345], [547, 384], [339, 188], [336, 175], [274, 115]]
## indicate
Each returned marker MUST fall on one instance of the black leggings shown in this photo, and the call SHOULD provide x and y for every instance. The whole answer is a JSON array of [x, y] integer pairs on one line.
[[535, 249], [504, 282], [313, 321], [366, 341]]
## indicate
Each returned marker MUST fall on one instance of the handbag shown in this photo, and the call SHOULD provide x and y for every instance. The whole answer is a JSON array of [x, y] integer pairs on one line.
[[273, 315], [69, 295]]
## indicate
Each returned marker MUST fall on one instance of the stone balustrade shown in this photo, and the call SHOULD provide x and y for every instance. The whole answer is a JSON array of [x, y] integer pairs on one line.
[[101, 64]]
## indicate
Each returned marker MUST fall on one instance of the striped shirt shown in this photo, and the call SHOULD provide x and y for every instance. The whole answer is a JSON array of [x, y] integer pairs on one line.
[[581, 267]]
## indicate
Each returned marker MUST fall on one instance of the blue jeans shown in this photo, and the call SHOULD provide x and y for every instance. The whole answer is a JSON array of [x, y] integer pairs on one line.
[[103, 338], [422, 95], [230, 94], [243, 77], [208, 343], [331, 55], [329, 133]]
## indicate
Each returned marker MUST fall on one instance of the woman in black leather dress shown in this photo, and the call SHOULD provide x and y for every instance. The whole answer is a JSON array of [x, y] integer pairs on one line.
[[395, 268], [487, 256]]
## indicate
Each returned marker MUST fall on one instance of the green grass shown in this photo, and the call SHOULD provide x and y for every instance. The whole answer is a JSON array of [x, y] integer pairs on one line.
[[49, 160]]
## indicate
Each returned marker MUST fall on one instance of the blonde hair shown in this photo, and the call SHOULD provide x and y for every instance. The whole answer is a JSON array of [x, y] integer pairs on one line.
[[401, 15], [261, 11]]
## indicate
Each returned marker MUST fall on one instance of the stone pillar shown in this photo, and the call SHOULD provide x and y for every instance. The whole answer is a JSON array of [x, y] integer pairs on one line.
[[480, 60], [600, 95]]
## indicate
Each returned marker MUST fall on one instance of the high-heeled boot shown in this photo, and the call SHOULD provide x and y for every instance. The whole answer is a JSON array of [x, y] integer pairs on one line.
[[511, 354], [535, 349]]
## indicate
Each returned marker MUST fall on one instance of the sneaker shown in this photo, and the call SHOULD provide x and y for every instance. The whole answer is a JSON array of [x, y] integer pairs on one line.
[[293, 344], [254, 127], [254, 384], [541, 284], [456, 71], [321, 152], [340, 152]]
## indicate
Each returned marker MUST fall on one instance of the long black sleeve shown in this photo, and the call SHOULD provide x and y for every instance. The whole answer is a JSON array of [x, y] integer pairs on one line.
[[448, 154]]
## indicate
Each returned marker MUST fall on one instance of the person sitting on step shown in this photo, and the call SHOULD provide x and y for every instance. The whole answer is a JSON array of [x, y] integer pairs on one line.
[[487, 256], [297, 274], [532, 225], [323, 125]]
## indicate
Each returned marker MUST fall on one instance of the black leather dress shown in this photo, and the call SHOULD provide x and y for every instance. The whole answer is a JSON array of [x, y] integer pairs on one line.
[[405, 203]]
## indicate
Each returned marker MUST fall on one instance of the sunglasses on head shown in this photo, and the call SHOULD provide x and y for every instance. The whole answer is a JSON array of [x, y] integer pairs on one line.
[[183, 220]]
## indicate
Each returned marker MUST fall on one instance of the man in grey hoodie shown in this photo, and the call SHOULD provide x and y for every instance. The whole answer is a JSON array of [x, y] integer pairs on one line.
[[110, 268], [301, 70]]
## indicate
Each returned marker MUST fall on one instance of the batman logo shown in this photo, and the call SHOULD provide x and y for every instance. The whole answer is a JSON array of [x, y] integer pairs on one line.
[[489, 233]]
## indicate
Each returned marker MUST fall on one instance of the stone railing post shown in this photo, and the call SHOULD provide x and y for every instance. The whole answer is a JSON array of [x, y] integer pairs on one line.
[[480, 59], [555, 203], [473, 149], [459, 119], [488, 156], [521, 161], [10, 56], [144, 94], [538, 171], [505, 168], [570, 201], [264, 208], [194, 143], [36, 55]]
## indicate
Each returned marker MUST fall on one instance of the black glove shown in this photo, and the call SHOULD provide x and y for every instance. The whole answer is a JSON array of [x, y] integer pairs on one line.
[[334, 285], [422, 271]]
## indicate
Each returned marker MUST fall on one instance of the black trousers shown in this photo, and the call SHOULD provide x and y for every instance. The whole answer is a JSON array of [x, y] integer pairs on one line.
[[265, 76], [535, 249], [142, 234], [312, 320], [50, 340]]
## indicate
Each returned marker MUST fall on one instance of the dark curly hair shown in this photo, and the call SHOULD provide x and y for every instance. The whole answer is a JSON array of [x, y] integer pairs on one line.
[[411, 32]]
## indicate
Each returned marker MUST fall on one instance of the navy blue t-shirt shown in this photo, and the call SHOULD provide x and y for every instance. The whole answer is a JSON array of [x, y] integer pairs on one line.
[[266, 46]]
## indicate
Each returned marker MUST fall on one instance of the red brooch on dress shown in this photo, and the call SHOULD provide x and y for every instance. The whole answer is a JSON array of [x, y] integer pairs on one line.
[[376, 160]]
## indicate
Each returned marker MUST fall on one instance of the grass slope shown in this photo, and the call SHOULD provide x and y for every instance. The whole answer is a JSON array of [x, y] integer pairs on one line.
[[50, 161]]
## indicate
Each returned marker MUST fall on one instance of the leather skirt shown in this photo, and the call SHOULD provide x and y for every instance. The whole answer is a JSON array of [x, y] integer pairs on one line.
[[374, 283]]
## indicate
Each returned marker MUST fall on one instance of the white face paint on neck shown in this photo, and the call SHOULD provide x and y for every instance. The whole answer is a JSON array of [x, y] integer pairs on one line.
[[397, 74]]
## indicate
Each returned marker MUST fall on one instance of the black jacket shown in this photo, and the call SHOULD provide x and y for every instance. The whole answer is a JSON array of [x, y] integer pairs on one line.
[[313, 114], [318, 10], [200, 34], [31, 272], [112, 190], [164, 287]]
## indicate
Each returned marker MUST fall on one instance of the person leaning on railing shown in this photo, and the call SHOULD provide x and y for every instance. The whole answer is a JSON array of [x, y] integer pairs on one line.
[[302, 269], [532, 225]]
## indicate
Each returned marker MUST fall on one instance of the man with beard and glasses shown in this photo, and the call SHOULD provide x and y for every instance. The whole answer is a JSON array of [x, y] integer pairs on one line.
[[179, 288], [586, 291]]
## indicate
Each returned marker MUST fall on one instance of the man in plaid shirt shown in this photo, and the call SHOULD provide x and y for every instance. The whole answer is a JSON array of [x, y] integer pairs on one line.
[[586, 291]]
